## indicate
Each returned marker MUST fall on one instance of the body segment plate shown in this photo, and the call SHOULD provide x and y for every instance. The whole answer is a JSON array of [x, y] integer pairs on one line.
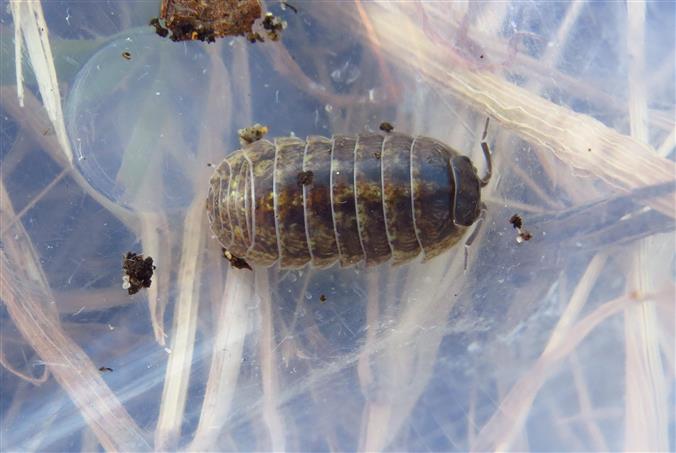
[[433, 190], [293, 246], [264, 249], [342, 200], [239, 245], [397, 197], [369, 199], [317, 199]]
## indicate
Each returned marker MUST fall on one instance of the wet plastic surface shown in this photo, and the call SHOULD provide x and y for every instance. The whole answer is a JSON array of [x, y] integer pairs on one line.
[[561, 342]]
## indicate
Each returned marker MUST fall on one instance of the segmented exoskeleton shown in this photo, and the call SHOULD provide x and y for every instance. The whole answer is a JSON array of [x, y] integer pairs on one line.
[[372, 197]]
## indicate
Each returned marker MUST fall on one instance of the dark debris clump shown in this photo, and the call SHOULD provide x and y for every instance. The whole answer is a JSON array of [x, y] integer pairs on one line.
[[305, 178], [235, 261], [516, 221], [386, 127], [523, 234], [251, 134], [138, 272], [273, 26], [160, 29]]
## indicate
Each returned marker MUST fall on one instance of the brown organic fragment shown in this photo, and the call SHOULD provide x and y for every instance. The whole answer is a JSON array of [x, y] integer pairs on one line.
[[206, 20], [305, 178], [235, 261], [386, 126], [523, 234], [251, 134]]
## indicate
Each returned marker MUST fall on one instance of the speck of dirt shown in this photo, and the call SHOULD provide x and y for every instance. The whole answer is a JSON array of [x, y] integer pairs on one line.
[[516, 221], [160, 29], [285, 5], [254, 37], [305, 178], [105, 369], [523, 234], [126, 55], [273, 26], [386, 126], [252, 134], [235, 261], [322, 297]]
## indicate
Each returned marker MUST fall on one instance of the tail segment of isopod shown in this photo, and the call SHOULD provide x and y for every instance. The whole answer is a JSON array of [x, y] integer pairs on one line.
[[217, 210], [238, 178], [466, 204]]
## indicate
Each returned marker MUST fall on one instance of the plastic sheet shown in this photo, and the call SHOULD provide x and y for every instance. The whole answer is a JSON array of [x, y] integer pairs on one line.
[[561, 342]]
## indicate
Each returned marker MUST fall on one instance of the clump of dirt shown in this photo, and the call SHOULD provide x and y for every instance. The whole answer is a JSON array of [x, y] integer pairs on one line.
[[386, 126], [251, 134], [235, 261], [138, 272], [305, 178], [523, 234], [273, 26], [206, 20]]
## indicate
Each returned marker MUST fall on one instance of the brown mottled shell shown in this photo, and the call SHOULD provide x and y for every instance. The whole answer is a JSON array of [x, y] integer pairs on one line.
[[371, 197]]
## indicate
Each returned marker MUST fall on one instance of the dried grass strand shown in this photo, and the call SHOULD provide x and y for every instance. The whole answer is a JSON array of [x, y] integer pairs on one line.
[[619, 160], [34, 201], [25, 294], [646, 390], [512, 411], [4, 362], [177, 376], [272, 416], [226, 359], [30, 21]]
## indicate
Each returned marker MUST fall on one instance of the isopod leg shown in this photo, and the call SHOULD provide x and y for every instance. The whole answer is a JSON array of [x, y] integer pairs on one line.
[[475, 232], [487, 156]]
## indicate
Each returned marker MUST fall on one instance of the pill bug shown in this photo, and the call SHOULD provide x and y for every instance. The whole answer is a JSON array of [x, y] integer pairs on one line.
[[371, 197]]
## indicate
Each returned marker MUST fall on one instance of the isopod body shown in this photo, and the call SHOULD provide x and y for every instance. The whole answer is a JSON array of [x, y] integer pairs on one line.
[[370, 197]]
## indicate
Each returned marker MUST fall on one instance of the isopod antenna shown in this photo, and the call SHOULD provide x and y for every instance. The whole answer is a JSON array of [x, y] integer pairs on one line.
[[487, 155]]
